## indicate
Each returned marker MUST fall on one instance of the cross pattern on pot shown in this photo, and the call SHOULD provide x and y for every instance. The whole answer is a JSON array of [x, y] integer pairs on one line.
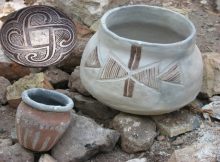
[[149, 76], [38, 36]]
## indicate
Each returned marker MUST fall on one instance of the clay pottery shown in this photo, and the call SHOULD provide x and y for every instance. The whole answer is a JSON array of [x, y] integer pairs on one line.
[[42, 118], [143, 60], [38, 36]]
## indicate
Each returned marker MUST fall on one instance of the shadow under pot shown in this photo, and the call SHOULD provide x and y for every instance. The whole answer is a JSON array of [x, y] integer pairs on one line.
[[42, 118]]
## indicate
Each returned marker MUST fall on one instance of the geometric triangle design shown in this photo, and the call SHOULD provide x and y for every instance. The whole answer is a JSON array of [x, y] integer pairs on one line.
[[148, 77], [113, 70], [172, 75], [93, 60]]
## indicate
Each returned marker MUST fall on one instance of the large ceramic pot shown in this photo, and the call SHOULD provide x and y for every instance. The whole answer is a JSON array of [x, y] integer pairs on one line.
[[143, 60], [42, 118]]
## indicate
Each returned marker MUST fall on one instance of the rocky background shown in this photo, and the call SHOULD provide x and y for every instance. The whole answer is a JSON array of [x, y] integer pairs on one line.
[[98, 133]]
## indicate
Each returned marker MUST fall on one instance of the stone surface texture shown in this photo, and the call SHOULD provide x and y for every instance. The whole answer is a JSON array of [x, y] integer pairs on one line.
[[83, 139], [138, 160], [5, 142], [75, 82], [15, 153], [205, 149], [37, 80], [4, 83], [47, 158], [57, 77], [137, 133], [176, 123], [88, 11], [93, 108], [211, 74]]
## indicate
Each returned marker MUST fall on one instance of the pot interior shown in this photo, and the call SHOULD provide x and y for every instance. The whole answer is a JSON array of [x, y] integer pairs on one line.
[[149, 24], [47, 99]]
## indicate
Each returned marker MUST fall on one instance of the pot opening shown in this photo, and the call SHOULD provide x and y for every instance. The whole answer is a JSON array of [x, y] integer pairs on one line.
[[46, 99], [148, 24]]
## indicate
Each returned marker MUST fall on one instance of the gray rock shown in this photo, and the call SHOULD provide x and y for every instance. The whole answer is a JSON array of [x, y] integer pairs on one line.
[[211, 72], [4, 83], [214, 98], [204, 149], [213, 108], [47, 158], [57, 77], [68, 93], [218, 5], [5, 142], [117, 155], [15, 153], [93, 108], [178, 141], [195, 153], [13, 135], [87, 11], [83, 139], [75, 82], [176, 123], [138, 160], [137, 132]]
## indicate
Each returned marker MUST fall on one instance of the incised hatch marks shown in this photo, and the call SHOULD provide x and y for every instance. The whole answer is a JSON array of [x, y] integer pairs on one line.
[[150, 76], [38, 36]]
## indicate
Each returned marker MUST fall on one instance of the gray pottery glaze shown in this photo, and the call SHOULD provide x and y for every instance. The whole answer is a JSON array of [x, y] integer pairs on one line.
[[47, 100], [143, 60]]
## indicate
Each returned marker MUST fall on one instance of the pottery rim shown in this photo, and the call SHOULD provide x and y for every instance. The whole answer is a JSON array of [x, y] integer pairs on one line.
[[185, 42], [65, 102]]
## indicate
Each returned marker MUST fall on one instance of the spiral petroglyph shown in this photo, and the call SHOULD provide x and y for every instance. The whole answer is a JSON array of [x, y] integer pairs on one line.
[[38, 36]]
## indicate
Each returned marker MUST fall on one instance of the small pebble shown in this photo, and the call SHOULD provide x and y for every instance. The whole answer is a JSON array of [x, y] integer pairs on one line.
[[161, 138]]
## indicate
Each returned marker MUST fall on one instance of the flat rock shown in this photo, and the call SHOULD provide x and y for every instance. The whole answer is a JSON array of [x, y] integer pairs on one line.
[[88, 12], [57, 77], [14, 91], [4, 83], [176, 123], [7, 121], [11, 70], [13, 135], [211, 73], [137, 132], [213, 108], [15, 153], [138, 160], [5, 142], [75, 83], [117, 155], [218, 5], [47, 158], [68, 93], [8, 7], [195, 153], [93, 108], [204, 149], [83, 139]]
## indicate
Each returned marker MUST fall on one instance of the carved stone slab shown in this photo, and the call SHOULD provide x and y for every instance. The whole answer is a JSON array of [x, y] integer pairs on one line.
[[38, 36]]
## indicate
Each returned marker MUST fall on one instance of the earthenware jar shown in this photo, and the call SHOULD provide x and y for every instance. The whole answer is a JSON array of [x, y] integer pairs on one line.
[[143, 60], [42, 118]]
